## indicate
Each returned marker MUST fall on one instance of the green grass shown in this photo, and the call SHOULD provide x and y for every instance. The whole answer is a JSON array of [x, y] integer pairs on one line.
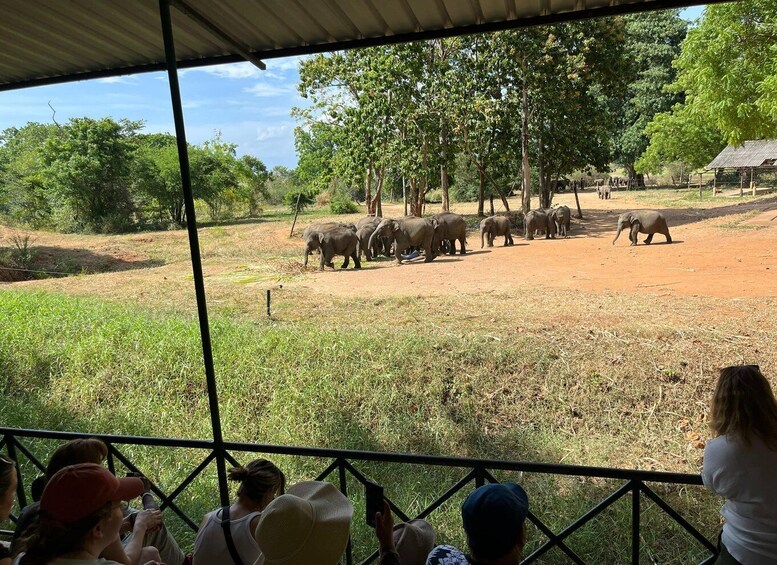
[[401, 381]]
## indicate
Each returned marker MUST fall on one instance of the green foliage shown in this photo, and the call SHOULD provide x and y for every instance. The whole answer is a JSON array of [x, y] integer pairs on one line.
[[298, 198], [341, 204]]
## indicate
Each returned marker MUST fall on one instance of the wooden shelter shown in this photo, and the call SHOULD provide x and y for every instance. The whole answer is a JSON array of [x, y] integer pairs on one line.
[[748, 159]]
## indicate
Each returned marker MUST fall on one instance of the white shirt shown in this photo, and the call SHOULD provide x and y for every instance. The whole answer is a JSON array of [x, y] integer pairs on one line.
[[747, 477]]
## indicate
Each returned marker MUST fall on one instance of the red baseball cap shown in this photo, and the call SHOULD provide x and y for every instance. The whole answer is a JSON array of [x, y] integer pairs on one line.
[[77, 491]]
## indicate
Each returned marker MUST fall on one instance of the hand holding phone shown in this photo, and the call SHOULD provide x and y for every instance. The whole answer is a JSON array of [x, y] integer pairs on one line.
[[373, 493]]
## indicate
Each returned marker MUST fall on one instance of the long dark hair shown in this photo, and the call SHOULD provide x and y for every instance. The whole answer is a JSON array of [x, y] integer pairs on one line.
[[257, 479], [51, 539], [81, 450], [744, 406]]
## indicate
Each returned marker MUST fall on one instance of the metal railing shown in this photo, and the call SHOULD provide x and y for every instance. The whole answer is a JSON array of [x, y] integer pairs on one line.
[[343, 462]]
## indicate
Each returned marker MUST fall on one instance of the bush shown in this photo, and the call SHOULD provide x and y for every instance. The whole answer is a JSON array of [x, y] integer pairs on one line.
[[433, 196], [290, 199], [341, 204]]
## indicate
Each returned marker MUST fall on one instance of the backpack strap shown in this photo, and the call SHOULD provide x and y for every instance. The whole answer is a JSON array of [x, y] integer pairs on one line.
[[228, 536]]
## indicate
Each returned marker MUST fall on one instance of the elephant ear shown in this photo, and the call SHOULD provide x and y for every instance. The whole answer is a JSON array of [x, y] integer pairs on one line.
[[394, 226], [633, 220], [435, 223], [321, 238]]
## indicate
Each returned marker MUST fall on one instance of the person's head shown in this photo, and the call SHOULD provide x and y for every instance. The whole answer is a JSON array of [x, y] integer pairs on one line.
[[308, 524], [8, 481], [260, 481], [89, 450], [494, 519], [80, 510], [744, 406]]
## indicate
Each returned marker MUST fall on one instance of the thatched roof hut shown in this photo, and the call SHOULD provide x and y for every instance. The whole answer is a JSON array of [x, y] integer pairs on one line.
[[758, 154]]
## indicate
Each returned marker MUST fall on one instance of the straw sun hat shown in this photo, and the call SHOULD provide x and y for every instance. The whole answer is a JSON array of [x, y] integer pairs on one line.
[[306, 526]]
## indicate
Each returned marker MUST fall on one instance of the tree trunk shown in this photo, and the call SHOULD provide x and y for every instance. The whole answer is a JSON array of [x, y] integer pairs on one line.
[[368, 188], [446, 206], [376, 205], [404, 193], [481, 191], [526, 185], [491, 203]]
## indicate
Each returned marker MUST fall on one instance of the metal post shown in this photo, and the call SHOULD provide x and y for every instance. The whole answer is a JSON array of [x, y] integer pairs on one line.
[[194, 246], [268, 302], [635, 523], [344, 490]]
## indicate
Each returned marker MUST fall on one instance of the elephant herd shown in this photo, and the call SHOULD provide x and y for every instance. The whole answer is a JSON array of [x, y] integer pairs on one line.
[[373, 236]]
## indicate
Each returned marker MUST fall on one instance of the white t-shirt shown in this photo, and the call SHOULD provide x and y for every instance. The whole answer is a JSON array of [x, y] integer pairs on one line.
[[211, 546], [747, 477]]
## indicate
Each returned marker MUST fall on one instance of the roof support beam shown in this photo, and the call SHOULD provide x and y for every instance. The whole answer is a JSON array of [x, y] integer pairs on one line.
[[194, 247], [216, 31]]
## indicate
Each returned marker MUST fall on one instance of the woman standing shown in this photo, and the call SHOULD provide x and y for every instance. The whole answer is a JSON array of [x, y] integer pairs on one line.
[[740, 463], [226, 535]]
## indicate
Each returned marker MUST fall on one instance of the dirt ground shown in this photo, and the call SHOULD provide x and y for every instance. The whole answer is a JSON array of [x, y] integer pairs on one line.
[[709, 256], [724, 251]]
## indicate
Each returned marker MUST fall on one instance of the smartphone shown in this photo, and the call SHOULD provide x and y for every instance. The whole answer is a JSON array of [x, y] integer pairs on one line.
[[373, 493]]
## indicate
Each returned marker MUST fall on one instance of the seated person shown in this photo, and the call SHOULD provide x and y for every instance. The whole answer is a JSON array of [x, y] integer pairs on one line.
[[308, 525], [80, 516], [8, 482], [494, 519], [260, 482], [145, 527], [404, 544]]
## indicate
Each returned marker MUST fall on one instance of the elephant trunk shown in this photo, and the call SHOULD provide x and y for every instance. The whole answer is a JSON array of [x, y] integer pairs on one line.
[[307, 252], [620, 228]]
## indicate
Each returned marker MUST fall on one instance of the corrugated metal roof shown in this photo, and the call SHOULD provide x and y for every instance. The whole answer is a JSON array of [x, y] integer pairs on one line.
[[759, 153], [48, 41]]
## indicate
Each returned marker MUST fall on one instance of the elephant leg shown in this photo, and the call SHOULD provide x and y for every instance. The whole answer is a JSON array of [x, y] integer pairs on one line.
[[462, 242], [648, 239], [356, 263], [451, 247], [668, 237], [633, 233]]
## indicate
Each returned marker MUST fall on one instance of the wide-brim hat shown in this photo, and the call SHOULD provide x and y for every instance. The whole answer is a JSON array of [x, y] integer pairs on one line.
[[413, 541], [78, 491], [308, 525]]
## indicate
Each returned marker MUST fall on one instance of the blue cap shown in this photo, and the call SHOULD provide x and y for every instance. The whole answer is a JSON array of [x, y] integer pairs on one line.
[[493, 517]]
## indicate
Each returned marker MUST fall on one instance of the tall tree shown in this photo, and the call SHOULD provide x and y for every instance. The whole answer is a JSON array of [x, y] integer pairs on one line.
[[652, 44]]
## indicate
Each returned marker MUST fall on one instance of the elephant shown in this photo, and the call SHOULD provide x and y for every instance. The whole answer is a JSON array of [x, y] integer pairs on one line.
[[365, 226], [604, 192], [339, 240], [643, 221], [538, 220], [450, 228], [407, 232], [561, 217], [494, 226], [312, 232]]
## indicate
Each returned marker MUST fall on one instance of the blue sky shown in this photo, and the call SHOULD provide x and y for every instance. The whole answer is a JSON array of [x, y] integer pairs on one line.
[[249, 107]]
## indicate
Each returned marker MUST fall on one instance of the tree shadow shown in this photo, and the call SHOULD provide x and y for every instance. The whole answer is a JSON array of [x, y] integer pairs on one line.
[[51, 261]]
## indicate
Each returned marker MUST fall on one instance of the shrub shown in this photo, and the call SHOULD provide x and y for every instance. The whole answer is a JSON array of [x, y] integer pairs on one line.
[[341, 204], [433, 196], [291, 198]]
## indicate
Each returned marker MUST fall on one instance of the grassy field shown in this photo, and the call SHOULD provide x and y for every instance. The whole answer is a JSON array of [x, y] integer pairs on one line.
[[487, 374]]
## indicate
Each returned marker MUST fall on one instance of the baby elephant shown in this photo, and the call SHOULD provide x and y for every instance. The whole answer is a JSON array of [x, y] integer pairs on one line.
[[643, 221], [494, 226], [561, 216], [339, 241]]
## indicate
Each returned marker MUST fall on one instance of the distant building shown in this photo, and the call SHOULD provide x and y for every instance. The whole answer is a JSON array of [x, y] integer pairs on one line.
[[749, 160]]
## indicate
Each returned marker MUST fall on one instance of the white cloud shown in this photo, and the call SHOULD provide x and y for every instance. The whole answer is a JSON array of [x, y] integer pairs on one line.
[[265, 133], [119, 80], [262, 89]]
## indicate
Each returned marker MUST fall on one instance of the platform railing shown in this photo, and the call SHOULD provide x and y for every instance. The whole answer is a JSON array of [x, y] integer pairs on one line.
[[476, 472]]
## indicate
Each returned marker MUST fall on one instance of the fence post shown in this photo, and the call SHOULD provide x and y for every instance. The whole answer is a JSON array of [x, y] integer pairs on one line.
[[635, 523]]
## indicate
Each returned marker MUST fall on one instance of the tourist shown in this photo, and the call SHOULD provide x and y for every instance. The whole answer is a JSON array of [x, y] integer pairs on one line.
[[407, 543], [8, 482], [740, 463], [227, 535]]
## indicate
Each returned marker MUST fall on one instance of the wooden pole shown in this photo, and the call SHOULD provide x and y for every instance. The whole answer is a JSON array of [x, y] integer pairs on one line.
[[296, 213], [741, 182], [700, 195], [752, 181], [577, 200]]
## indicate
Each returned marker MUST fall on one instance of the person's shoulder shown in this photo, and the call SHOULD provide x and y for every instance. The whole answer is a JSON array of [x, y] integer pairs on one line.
[[446, 555]]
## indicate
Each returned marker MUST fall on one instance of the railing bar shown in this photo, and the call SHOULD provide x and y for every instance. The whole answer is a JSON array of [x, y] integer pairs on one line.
[[328, 471], [434, 460], [232, 460], [635, 523], [585, 518], [111, 462], [172, 505], [30, 456], [344, 490], [11, 447], [679, 519], [187, 481], [469, 477], [371, 557], [554, 540]]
